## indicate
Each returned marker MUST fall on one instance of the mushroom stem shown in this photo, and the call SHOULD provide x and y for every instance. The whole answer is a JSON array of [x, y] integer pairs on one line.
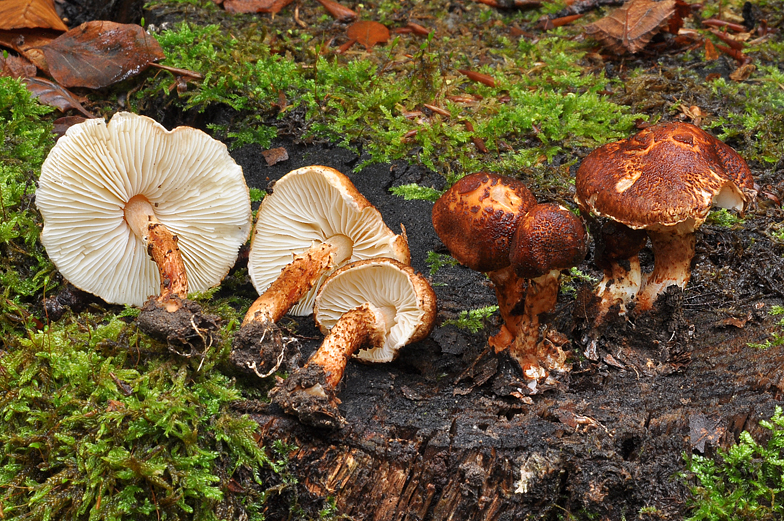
[[510, 291], [672, 254], [540, 297], [161, 246], [297, 278], [621, 282], [364, 325]]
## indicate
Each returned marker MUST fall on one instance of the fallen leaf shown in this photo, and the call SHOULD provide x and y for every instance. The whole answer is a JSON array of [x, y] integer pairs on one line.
[[98, 54], [743, 72], [478, 77], [710, 51], [274, 156], [703, 429], [30, 14], [50, 93], [255, 6], [547, 23], [631, 27], [17, 67], [338, 11], [368, 33], [28, 42], [61, 125], [418, 29]]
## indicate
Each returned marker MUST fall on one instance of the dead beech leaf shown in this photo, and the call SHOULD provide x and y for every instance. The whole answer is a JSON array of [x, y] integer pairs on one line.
[[61, 125], [52, 94], [17, 67], [631, 27], [28, 42], [98, 54], [30, 14], [368, 33], [255, 6], [710, 51], [338, 11]]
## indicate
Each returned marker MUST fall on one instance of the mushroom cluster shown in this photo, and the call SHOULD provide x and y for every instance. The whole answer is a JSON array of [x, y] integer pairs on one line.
[[131, 210], [493, 224], [313, 222], [660, 184]]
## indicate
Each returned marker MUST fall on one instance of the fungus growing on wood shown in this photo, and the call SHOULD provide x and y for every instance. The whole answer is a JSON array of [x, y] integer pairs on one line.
[[663, 180], [131, 210], [483, 220], [314, 221], [368, 310]]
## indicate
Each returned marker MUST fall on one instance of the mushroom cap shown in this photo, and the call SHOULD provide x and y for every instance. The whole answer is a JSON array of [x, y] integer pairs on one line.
[[309, 205], [196, 188], [549, 237], [666, 175], [387, 284], [477, 217]]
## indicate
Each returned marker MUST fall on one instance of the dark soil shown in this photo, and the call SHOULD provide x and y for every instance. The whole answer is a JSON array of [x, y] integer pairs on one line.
[[445, 433]]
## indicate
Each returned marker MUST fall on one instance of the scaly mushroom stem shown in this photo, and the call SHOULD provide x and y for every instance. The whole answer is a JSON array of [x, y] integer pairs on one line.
[[161, 246], [620, 284], [297, 278], [540, 297], [365, 325], [510, 291], [310, 392], [672, 255]]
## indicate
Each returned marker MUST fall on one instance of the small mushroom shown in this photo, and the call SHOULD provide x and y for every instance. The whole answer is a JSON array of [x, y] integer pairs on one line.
[[131, 209], [368, 309], [549, 238], [663, 180], [492, 223], [314, 221]]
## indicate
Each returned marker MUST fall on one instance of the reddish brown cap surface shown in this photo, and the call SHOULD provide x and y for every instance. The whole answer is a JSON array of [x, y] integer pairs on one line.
[[477, 217], [665, 175], [549, 237]]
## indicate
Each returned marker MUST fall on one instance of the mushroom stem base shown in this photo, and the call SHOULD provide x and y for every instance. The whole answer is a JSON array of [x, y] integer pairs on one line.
[[187, 330], [620, 284], [307, 395], [672, 255], [294, 281]]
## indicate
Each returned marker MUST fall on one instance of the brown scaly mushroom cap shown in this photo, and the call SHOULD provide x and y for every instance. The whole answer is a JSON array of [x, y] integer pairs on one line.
[[665, 179], [368, 309], [477, 217], [111, 193]]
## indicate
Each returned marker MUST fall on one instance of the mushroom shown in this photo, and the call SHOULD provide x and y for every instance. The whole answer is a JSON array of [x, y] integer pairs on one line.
[[368, 309], [314, 221], [484, 221], [663, 180], [131, 209], [549, 238]]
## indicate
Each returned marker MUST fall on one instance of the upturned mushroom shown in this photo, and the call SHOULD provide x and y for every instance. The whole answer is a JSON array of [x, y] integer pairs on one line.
[[314, 221], [131, 210], [483, 220], [663, 180], [368, 310]]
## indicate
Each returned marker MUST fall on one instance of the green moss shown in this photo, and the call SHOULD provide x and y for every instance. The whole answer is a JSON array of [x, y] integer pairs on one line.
[[97, 424], [473, 320], [777, 337], [25, 139], [414, 191], [743, 482], [724, 218]]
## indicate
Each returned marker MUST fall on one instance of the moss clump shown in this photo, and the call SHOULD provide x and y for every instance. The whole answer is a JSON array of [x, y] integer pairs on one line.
[[744, 482], [97, 425], [25, 139]]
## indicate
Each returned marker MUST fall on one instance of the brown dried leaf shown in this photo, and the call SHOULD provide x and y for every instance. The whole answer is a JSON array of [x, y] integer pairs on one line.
[[478, 77], [28, 42], [16, 67], [61, 125], [50, 93], [710, 51], [338, 11], [255, 6], [30, 14], [368, 33], [274, 156], [98, 54], [631, 27]]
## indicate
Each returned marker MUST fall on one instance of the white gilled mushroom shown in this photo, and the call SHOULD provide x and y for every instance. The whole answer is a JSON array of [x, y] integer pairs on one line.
[[368, 309], [132, 210], [314, 221], [663, 180]]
